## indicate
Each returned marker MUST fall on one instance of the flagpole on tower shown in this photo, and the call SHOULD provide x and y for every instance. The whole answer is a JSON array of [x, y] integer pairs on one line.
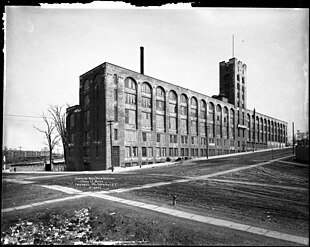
[[233, 46]]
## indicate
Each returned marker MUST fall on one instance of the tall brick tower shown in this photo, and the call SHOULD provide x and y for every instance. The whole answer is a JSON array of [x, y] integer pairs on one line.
[[233, 82]]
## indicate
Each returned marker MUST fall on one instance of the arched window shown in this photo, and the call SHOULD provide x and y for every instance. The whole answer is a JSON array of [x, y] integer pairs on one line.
[[184, 113], [71, 120], [160, 109], [86, 86], [203, 109], [172, 95], [146, 88], [184, 98], [130, 83], [232, 124], [226, 123], [257, 128], [184, 105], [146, 106], [261, 130], [272, 131], [279, 133], [218, 122], [194, 108], [253, 129], [131, 102], [211, 122], [173, 109], [193, 101], [265, 130], [194, 115], [96, 105], [115, 79], [160, 92]]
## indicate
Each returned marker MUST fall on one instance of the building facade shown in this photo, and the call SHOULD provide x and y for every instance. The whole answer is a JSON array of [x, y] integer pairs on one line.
[[154, 121]]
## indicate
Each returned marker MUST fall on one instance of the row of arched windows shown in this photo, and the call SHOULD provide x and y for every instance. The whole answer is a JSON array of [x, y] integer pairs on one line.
[[220, 122]]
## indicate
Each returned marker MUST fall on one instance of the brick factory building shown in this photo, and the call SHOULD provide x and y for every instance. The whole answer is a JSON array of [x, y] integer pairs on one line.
[[155, 120]]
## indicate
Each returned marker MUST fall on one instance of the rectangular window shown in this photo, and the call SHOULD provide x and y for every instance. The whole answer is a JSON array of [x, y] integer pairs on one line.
[[186, 152], [171, 152], [185, 139], [150, 152], [172, 108], [134, 151], [160, 105], [144, 152], [130, 117], [144, 136], [194, 128], [127, 152], [182, 152], [193, 112], [172, 123], [86, 100], [192, 152], [146, 120], [183, 110], [175, 139], [115, 134], [86, 151], [163, 138], [203, 114], [115, 95], [202, 128], [160, 122], [130, 99], [176, 154], [146, 102], [184, 125], [158, 137], [164, 154], [196, 152], [86, 136], [86, 118], [115, 114], [157, 152], [193, 140]]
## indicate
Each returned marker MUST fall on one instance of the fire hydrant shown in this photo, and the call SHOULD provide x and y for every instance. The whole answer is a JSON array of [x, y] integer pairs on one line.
[[174, 200]]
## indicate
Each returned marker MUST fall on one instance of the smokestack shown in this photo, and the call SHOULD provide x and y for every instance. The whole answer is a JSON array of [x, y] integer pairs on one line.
[[141, 60]]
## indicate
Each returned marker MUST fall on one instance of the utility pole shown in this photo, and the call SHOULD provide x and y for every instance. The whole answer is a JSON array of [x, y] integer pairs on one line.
[[293, 139], [110, 123]]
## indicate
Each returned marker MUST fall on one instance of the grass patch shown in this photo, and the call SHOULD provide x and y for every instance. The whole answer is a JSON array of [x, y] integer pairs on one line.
[[116, 222], [14, 194]]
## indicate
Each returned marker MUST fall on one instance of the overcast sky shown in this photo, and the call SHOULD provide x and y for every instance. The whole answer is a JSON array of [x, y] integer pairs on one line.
[[48, 49]]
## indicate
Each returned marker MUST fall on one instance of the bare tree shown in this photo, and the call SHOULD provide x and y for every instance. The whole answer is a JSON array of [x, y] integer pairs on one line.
[[52, 140], [59, 119]]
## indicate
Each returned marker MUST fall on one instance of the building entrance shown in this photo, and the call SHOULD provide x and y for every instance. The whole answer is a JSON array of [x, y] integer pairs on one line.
[[115, 156]]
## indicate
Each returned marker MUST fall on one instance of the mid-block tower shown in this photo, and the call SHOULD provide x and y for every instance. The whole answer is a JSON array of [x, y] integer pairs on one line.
[[233, 82]]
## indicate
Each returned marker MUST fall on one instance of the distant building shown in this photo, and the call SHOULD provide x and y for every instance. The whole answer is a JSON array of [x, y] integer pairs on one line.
[[154, 120]]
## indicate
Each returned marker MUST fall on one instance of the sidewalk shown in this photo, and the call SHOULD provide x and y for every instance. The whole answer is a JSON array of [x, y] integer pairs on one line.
[[126, 169]]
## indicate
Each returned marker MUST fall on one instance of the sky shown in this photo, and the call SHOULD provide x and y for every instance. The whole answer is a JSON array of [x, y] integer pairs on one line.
[[47, 49]]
